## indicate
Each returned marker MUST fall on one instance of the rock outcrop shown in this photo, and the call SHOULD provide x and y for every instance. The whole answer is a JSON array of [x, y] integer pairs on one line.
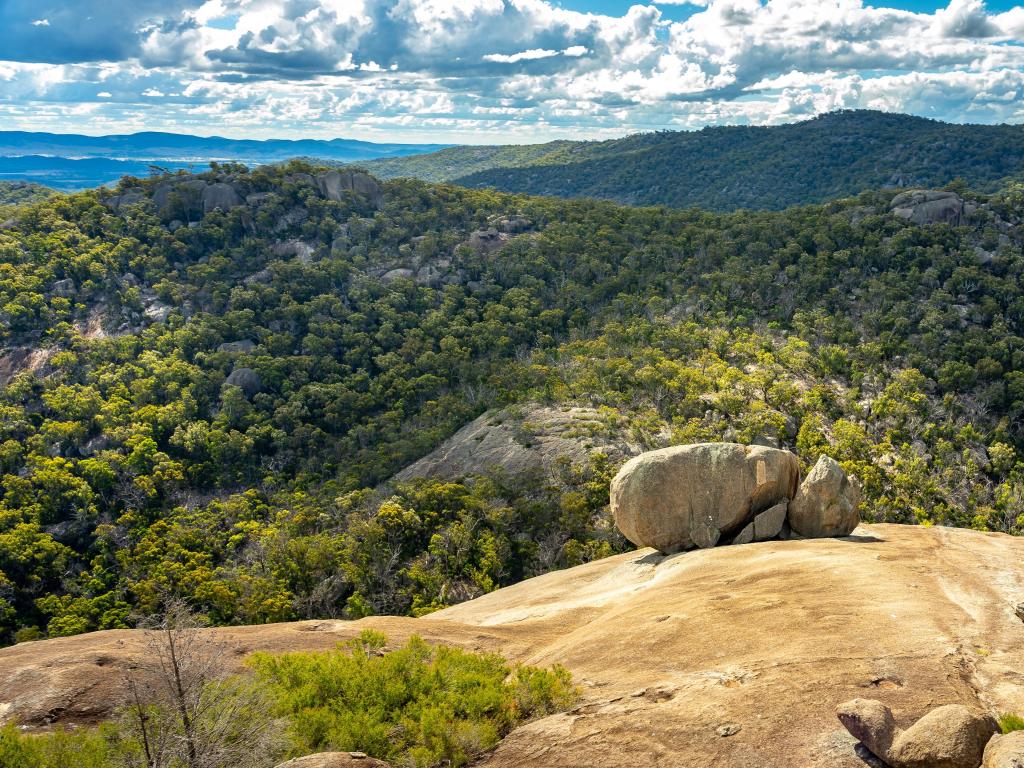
[[667, 650], [333, 183], [826, 503], [521, 441], [220, 196], [950, 736], [245, 379], [925, 206], [693, 495], [1005, 751], [335, 760], [870, 722]]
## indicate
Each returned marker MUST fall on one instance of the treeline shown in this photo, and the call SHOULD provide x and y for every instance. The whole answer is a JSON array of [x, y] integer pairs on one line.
[[727, 168]]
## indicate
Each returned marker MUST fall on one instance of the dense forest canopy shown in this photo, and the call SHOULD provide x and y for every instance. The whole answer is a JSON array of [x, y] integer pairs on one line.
[[209, 404], [725, 168]]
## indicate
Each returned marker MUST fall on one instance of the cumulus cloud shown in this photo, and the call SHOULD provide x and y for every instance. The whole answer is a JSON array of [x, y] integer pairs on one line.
[[469, 69]]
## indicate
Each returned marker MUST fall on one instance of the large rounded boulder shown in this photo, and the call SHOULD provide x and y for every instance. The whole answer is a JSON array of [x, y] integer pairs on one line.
[[827, 502], [693, 495]]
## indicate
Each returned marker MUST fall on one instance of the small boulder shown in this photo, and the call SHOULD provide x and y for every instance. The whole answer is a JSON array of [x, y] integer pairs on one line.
[[870, 722], [952, 736], [243, 345], [64, 288], [245, 379], [335, 760], [397, 274], [131, 197], [926, 206], [691, 495], [1006, 751], [220, 196], [766, 525], [826, 504]]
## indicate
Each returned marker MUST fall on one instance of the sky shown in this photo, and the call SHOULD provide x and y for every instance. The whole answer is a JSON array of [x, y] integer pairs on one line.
[[497, 71]]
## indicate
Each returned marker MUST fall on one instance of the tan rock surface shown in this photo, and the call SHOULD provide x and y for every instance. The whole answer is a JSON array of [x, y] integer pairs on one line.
[[768, 638], [520, 441], [1005, 751], [693, 495]]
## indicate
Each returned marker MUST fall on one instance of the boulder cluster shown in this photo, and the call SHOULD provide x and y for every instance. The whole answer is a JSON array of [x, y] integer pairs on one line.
[[950, 736], [706, 494], [187, 197]]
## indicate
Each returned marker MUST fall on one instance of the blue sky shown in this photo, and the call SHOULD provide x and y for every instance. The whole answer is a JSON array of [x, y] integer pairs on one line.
[[484, 71]]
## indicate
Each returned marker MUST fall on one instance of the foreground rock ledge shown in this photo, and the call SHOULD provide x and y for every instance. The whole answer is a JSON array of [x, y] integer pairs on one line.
[[770, 637]]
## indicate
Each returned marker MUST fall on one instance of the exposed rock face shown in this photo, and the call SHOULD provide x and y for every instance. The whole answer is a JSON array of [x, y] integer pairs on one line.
[[766, 525], [487, 240], [827, 502], [335, 760], [692, 495], [870, 722], [333, 183], [18, 360], [220, 196], [397, 274], [131, 197], [770, 637], [950, 736], [520, 442], [923, 206], [300, 249], [65, 287], [245, 379], [1005, 751]]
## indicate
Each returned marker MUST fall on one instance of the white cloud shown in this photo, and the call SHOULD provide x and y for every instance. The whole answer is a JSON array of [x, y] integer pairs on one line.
[[502, 68]]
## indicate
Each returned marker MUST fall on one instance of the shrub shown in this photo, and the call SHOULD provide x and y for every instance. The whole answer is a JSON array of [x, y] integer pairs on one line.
[[419, 705], [1010, 722]]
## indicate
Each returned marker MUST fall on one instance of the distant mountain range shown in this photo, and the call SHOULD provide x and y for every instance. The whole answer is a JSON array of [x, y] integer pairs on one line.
[[72, 161], [725, 168]]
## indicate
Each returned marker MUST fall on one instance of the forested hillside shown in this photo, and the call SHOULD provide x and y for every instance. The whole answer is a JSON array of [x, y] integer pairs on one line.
[[725, 168], [207, 382], [15, 192]]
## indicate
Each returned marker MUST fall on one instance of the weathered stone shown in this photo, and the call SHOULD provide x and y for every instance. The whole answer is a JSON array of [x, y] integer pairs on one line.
[[924, 206], [768, 524], [870, 722], [692, 495], [245, 379], [131, 197], [521, 441], [300, 249], [1005, 751], [397, 274], [952, 736], [220, 196], [826, 503], [333, 183], [64, 288]]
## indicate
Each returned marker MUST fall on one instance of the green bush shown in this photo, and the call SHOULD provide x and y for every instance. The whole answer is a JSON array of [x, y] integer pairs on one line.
[[87, 748], [419, 705], [1010, 722]]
